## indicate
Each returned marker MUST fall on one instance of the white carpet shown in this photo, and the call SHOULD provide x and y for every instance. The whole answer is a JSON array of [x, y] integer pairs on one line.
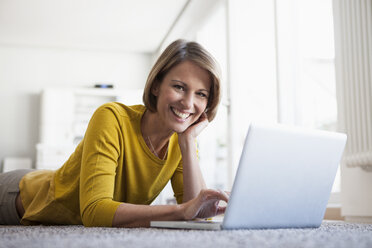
[[330, 234]]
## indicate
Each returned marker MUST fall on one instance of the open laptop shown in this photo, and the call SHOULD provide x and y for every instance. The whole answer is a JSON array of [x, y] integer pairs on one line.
[[284, 180]]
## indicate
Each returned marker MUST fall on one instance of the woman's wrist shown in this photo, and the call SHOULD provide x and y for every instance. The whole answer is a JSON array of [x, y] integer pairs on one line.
[[186, 143], [186, 210], [181, 211]]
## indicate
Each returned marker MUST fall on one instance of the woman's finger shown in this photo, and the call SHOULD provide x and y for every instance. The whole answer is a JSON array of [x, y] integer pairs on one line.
[[224, 195], [221, 210], [198, 127]]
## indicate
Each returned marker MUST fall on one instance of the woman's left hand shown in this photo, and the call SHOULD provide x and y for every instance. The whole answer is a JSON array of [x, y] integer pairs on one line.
[[196, 128]]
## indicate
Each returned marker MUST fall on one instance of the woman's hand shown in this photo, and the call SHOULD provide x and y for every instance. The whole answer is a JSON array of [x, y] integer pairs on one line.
[[195, 129], [205, 205]]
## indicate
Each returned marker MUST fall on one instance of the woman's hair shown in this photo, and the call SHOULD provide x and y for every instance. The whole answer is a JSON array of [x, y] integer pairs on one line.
[[177, 52]]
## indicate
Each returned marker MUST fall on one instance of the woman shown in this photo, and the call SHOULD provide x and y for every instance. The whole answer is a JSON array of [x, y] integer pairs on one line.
[[129, 153]]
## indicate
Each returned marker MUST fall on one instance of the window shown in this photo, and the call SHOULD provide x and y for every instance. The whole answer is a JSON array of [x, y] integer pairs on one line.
[[306, 70]]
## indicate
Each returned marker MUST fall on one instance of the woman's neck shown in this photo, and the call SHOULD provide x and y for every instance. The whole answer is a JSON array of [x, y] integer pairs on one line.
[[154, 133]]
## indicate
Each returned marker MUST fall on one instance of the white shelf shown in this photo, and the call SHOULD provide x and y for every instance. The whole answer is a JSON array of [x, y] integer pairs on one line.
[[65, 114]]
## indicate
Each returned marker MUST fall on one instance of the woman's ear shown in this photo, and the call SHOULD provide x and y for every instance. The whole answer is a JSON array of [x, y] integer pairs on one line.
[[155, 89], [206, 113]]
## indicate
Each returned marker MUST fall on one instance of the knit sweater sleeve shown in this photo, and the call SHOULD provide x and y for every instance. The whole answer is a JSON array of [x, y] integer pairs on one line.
[[101, 149], [177, 183]]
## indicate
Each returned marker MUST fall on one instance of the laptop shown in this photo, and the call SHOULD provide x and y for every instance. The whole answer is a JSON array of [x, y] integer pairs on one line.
[[284, 180]]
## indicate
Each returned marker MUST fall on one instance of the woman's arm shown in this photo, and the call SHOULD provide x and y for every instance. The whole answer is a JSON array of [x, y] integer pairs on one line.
[[193, 181], [131, 215], [101, 149], [205, 205]]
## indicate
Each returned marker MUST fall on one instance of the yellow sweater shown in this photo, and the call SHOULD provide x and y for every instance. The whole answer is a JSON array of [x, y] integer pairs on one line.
[[112, 164]]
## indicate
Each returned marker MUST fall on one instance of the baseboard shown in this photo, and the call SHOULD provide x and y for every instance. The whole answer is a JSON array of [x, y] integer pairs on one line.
[[359, 219], [333, 213]]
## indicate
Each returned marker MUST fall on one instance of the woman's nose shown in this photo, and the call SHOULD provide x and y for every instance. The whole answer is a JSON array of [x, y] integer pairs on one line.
[[187, 101]]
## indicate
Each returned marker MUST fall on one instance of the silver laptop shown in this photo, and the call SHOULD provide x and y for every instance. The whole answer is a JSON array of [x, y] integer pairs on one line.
[[284, 180]]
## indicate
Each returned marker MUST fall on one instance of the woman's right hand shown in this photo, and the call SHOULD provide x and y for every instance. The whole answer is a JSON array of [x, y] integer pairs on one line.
[[205, 205]]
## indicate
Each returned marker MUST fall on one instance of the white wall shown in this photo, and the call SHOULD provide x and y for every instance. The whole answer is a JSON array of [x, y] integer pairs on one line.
[[356, 194], [25, 71]]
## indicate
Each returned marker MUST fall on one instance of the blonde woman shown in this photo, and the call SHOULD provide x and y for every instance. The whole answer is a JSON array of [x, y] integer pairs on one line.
[[128, 155]]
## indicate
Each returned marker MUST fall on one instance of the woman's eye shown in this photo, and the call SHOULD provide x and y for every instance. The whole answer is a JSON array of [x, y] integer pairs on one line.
[[202, 95], [178, 87]]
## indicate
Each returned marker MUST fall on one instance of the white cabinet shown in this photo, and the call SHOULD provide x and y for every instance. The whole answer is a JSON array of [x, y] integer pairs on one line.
[[65, 114]]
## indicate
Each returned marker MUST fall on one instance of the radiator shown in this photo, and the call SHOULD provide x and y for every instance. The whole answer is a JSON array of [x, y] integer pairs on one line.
[[353, 43]]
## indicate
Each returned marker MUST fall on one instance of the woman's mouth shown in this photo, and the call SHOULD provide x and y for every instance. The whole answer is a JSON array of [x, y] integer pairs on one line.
[[179, 114]]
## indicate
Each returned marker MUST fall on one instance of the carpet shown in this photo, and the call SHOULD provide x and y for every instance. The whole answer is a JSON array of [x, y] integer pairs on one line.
[[329, 234]]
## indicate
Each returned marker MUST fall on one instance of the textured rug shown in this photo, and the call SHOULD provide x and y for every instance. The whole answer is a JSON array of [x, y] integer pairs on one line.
[[330, 234]]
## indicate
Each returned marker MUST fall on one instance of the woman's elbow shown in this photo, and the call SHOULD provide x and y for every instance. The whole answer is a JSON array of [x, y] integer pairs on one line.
[[98, 214], [87, 219]]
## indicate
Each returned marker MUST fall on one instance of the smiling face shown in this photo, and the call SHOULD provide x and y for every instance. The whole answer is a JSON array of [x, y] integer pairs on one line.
[[182, 96]]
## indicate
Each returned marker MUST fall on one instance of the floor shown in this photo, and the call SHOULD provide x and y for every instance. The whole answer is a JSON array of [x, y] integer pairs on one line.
[[329, 234]]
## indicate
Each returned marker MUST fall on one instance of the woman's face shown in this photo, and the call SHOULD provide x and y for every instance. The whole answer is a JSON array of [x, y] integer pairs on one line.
[[182, 96]]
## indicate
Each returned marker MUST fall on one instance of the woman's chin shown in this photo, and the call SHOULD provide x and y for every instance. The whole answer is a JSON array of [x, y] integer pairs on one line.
[[180, 129]]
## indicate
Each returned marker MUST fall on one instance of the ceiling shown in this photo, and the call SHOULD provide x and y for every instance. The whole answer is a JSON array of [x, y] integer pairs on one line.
[[117, 25]]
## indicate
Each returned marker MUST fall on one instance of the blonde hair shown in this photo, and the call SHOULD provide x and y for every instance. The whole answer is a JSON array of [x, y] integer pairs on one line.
[[177, 52]]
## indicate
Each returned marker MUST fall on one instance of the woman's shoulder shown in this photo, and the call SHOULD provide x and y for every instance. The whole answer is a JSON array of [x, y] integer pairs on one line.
[[120, 109]]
